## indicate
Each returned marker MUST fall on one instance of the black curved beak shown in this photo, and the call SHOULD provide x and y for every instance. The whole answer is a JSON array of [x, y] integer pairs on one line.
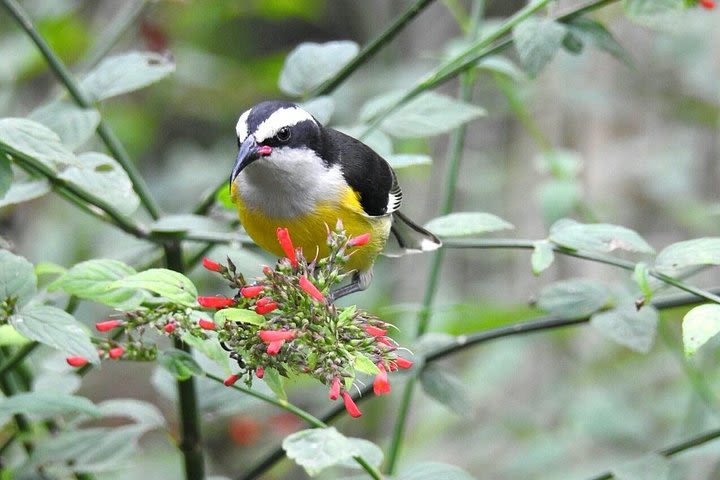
[[247, 154]]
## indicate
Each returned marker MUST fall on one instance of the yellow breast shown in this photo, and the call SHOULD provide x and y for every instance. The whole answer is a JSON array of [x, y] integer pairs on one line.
[[310, 231]]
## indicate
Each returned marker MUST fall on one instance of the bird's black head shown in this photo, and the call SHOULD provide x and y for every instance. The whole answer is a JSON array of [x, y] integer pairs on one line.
[[272, 128]]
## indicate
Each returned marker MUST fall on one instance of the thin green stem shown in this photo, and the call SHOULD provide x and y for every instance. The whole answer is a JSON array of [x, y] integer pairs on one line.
[[114, 31], [455, 153], [300, 413], [33, 165], [17, 358], [462, 343], [672, 450], [65, 76], [371, 48], [476, 52]]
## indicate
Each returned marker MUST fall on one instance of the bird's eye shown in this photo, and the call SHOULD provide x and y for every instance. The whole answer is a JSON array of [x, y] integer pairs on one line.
[[283, 134]]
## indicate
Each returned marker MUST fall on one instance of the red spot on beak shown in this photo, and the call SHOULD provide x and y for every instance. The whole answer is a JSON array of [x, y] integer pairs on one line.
[[264, 150]]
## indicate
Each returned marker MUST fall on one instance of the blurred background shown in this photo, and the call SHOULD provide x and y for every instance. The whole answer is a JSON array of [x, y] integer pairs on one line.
[[643, 139]]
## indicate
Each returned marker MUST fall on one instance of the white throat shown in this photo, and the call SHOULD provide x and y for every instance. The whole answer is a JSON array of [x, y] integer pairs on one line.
[[289, 182]]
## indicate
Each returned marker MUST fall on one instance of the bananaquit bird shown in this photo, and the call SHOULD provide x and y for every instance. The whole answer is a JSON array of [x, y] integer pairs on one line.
[[292, 172]]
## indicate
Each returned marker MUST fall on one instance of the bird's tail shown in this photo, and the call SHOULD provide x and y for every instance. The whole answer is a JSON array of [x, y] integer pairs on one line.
[[408, 237]]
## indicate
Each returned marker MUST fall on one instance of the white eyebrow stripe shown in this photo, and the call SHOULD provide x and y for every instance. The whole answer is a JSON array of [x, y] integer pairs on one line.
[[241, 127], [284, 117]]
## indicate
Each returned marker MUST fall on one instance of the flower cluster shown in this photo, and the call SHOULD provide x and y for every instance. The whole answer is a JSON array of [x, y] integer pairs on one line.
[[281, 322]]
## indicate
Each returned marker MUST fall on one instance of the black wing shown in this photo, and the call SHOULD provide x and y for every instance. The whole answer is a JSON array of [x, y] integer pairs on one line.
[[365, 171]]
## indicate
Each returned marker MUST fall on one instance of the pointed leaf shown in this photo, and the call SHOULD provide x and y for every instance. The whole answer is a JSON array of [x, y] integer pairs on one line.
[[501, 66], [273, 380], [74, 125], [700, 325], [6, 174], [55, 328], [46, 404], [537, 40], [597, 237], [34, 140], [17, 278], [594, 32], [180, 364], [460, 224], [542, 256], [23, 191], [428, 114], [169, 284], [659, 14], [125, 73], [635, 329], [446, 389], [575, 298], [690, 253], [310, 64], [641, 276], [95, 280], [377, 140], [365, 365], [242, 315]]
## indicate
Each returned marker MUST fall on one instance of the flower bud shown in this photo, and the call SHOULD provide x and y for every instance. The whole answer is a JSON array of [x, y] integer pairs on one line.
[[231, 380], [334, 389], [212, 266], [251, 291], [359, 241], [116, 352], [108, 325], [375, 331], [260, 372], [215, 302], [76, 361], [350, 406], [170, 327], [311, 289], [403, 363], [206, 324], [283, 236]]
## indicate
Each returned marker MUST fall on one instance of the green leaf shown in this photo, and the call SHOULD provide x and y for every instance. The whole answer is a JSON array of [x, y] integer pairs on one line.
[[690, 253], [366, 449], [461, 224], [575, 298], [446, 389], [6, 174], [537, 40], [34, 140], [700, 325], [597, 237], [144, 414], [310, 64], [651, 466], [542, 256], [17, 278], [500, 65], [659, 14], [273, 380], [49, 268], [169, 284], [642, 278], [96, 280], [365, 365], [74, 125], [426, 115], [558, 198], [23, 191], [46, 404], [318, 448], [407, 160], [434, 471], [377, 140], [628, 326], [10, 336], [56, 328], [105, 178], [591, 31], [180, 364], [321, 108], [125, 73], [211, 348], [242, 315], [572, 42]]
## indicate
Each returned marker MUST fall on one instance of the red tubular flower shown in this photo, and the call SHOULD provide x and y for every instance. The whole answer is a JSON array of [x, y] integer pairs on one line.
[[359, 241], [251, 291], [273, 348], [215, 302], [206, 324], [170, 327], [334, 389], [709, 4], [259, 372], [283, 237], [311, 289], [350, 406], [268, 306], [268, 336], [385, 341], [403, 363], [231, 380], [76, 361], [212, 266], [116, 352], [108, 325], [375, 331], [381, 385]]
